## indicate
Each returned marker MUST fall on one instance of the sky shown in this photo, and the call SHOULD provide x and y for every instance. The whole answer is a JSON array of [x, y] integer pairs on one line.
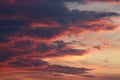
[[59, 39]]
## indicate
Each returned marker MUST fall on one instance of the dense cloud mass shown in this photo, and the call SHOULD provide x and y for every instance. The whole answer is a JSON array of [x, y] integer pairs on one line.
[[31, 29]]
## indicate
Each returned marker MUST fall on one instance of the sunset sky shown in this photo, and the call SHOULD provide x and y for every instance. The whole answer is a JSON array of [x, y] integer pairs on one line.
[[59, 39]]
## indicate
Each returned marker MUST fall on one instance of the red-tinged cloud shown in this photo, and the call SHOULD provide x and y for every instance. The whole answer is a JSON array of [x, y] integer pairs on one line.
[[32, 29], [32, 49], [45, 23], [66, 69], [30, 64], [7, 2], [39, 75]]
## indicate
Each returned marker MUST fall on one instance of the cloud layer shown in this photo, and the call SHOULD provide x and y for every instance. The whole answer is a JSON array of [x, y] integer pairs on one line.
[[31, 29]]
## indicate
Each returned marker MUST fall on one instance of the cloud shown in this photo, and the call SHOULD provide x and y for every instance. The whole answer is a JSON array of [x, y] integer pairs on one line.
[[114, 1], [101, 47], [32, 29], [93, 1], [30, 64], [89, 76], [47, 76], [66, 70]]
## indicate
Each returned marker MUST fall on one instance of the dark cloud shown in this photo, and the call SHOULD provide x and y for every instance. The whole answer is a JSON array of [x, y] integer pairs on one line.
[[66, 70], [29, 29], [23, 13], [27, 48], [28, 63], [58, 75], [8, 55], [89, 76], [58, 49], [59, 44], [40, 65], [46, 32], [68, 52]]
